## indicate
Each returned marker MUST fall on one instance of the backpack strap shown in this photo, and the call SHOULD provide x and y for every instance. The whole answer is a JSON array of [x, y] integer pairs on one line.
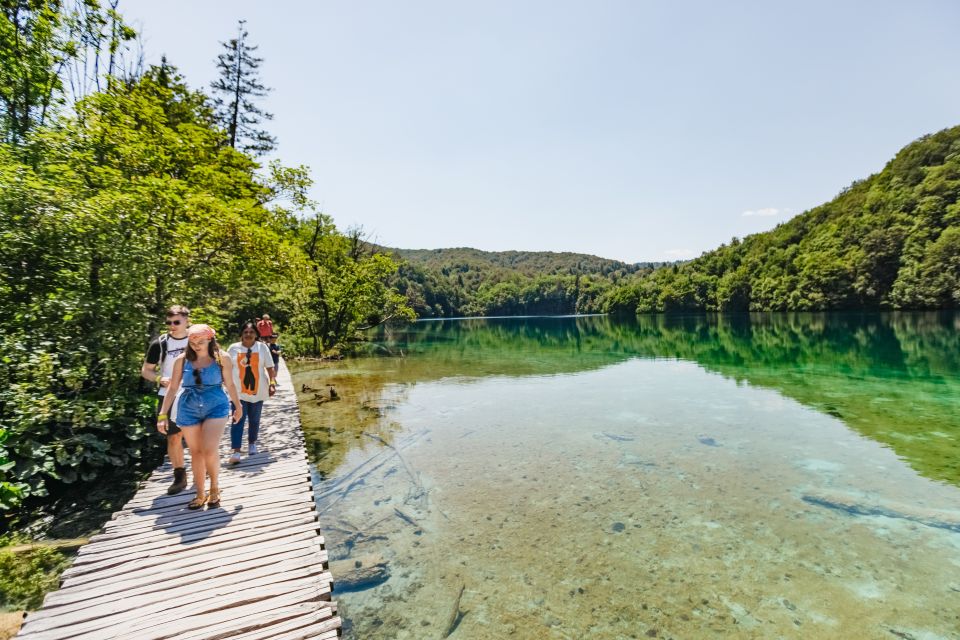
[[163, 350]]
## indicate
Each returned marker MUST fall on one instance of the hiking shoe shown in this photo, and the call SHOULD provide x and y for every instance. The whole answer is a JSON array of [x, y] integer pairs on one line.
[[179, 481], [234, 458], [252, 449]]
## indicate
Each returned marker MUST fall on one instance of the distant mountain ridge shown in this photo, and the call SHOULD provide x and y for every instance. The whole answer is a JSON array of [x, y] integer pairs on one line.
[[463, 281], [542, 262]]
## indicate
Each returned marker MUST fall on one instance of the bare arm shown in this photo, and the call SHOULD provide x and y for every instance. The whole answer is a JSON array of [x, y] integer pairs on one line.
[[148, 372], [271, 371], [227, 363], [172, 388]]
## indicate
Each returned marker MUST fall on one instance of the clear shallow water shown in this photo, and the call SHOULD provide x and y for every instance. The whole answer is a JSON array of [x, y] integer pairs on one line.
[[773, 476]]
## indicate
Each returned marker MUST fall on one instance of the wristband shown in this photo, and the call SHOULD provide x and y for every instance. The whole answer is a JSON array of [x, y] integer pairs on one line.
[[161, 416], [273, 382]]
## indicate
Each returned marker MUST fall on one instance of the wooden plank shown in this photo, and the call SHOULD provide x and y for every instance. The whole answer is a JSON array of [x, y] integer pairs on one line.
[[228, 539], [153, 520], [229, 477], [158, 485], [175, 524], [201, 519], [294, 483], [223, 622], [202, 605], [279, 629], [117, 610], [320, 629], [248, 623], [230, 495], [269, 540], [139, 584], [299, 473], [97, 552], [175, 568], [170, 510]]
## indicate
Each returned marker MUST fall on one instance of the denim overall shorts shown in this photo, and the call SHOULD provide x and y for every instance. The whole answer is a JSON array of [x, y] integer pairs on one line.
[[199, 402]]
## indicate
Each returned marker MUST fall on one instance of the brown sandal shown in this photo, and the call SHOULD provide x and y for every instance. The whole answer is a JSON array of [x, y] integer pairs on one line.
[[213, 498], [198, 502]]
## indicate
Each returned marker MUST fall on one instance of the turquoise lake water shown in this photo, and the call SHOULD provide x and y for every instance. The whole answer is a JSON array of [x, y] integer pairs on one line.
[[756, 476]]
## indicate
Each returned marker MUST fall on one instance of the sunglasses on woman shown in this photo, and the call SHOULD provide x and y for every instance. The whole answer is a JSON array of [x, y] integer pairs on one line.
[[175, 323]]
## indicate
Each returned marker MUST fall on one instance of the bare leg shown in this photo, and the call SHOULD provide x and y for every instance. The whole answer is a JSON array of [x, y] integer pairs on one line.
[[212, 432], [175, 450], [194, 436]]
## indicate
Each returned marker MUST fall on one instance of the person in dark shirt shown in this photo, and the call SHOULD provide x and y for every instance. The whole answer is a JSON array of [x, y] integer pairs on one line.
[[275, 350], [158, 368]]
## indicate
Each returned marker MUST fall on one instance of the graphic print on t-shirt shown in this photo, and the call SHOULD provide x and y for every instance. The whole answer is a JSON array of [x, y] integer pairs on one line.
[[175, 347], [249, 371]]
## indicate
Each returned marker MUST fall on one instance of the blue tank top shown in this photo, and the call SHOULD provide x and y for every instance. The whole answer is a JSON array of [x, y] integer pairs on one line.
[[210, 376]]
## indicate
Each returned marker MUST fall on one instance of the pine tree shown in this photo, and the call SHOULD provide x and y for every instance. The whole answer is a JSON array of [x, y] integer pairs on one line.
[[238, 85]]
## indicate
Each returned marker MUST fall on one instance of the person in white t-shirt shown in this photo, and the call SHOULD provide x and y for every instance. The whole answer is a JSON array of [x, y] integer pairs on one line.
[[255, 378], [158, 367]]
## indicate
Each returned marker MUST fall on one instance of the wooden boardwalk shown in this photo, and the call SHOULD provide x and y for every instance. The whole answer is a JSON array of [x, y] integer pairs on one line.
[[253, 568]]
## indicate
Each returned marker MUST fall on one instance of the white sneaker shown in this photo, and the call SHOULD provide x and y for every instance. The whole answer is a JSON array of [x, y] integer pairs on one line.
[[234, 458], [252, 449]]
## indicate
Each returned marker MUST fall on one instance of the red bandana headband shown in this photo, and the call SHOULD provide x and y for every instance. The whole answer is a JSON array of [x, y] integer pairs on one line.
[[202, 330]]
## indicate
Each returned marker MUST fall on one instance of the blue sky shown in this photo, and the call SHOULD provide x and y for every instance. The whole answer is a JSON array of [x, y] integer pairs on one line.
[[630, 130]]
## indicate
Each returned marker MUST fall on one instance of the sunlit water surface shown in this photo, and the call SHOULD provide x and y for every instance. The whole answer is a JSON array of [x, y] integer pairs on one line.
[[755, 477]]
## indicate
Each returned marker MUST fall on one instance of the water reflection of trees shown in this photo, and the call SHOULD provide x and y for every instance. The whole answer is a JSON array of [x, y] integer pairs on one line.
[[894, 377]]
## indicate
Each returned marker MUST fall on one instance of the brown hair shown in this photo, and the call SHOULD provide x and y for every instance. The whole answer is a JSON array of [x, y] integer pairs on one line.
[[178, 310], [213, 350]]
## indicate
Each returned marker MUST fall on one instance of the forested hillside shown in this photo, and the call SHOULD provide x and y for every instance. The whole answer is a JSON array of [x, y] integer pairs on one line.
[[469, 282], [891, 241]]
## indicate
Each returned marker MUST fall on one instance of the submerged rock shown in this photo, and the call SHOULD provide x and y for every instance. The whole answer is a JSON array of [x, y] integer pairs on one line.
[[359, 572]]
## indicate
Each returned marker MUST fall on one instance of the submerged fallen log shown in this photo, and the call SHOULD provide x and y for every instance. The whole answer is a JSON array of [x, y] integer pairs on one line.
[[858, 506], [338, 488], [414, 478], [410, 521], [455, 615], [616, 437]]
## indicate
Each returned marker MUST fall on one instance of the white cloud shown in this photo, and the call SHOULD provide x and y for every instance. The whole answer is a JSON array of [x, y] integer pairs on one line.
[[679, 254], [769, 211]]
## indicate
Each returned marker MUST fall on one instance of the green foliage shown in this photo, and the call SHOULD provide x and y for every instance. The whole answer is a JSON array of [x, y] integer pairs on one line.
[[340, 286], [469, 282], [887, 242], [31, 48], [113, 211], [27, 576]]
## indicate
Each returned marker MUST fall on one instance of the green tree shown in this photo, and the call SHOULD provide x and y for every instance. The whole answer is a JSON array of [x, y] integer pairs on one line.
[[235, 90], [343, 285], [32, 55]]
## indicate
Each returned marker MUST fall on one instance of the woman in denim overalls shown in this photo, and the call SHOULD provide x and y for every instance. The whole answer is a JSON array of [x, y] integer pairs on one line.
[[203, 407]]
